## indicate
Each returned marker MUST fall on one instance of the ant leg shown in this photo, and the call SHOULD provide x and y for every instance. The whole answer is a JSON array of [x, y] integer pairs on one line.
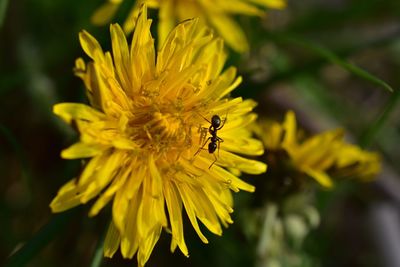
[[213, 161], [219, 140], [204, 118], [202, 146], [223, 122], [203, 133]]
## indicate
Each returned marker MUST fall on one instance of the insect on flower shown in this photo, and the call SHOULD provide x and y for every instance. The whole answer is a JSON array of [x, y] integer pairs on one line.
[[214, 139], [137, 141]]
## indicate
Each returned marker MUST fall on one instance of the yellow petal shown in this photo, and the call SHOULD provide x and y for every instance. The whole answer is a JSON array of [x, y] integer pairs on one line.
[[220, 86], [152, 3], [75, 111], [142, 53], [244, 146], [130, 21], [290, 128], [91, 167], [321, 177], [156, 189], [130, 240], [250, 166], [230, 31], [318, 150], [174, 205], [90, 45], [231, 179], [220, 204], [135, 180], [117, 92], [233, 85], [80, 68], [238, 7], [278, 4], [106, 197], [120, 54], [205, 163], [190, 210], [124, 143], [82, 150], [146, 221], [167, 21], [67, 197], [119, 210], [104, 13], [146, 247], [203, 211], [103, 176], [111, 242]]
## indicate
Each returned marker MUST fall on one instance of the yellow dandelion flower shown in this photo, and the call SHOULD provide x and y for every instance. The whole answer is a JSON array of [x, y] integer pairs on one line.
[[217, 13], [146, 133], [321, 156]]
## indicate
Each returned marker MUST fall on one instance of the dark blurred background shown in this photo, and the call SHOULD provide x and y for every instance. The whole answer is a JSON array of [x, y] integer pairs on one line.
[[289, 67]]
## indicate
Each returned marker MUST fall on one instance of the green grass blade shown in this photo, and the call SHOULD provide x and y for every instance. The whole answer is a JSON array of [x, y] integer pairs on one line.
[[98, 253], [33, 246], [323, 18], [333, 58], [371, 132], [3, 8]]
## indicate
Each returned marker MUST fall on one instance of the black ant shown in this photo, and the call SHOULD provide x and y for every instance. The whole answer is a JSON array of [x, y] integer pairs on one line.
[[214, 139]]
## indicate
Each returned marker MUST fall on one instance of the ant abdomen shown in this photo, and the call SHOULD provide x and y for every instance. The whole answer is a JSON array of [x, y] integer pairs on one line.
[[214, 139], [212, 146]]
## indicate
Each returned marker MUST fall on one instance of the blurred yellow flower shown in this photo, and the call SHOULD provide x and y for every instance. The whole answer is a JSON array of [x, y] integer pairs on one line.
[[147, 120], [321, 156], [217, 13]]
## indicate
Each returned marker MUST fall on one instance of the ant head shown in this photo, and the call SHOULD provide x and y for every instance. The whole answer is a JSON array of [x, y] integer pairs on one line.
[[215, 121]]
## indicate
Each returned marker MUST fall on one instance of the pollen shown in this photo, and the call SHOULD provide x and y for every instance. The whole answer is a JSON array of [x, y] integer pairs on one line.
[[163, 131]]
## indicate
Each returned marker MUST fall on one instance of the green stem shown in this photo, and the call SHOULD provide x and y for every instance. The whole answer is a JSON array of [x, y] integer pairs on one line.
[[98, 253], [331, 57], [371, 132], [3, 9], [323, 18]]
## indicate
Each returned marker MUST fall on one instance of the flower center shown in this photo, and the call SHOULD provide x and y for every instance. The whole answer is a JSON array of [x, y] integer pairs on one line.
[[161, 131]]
